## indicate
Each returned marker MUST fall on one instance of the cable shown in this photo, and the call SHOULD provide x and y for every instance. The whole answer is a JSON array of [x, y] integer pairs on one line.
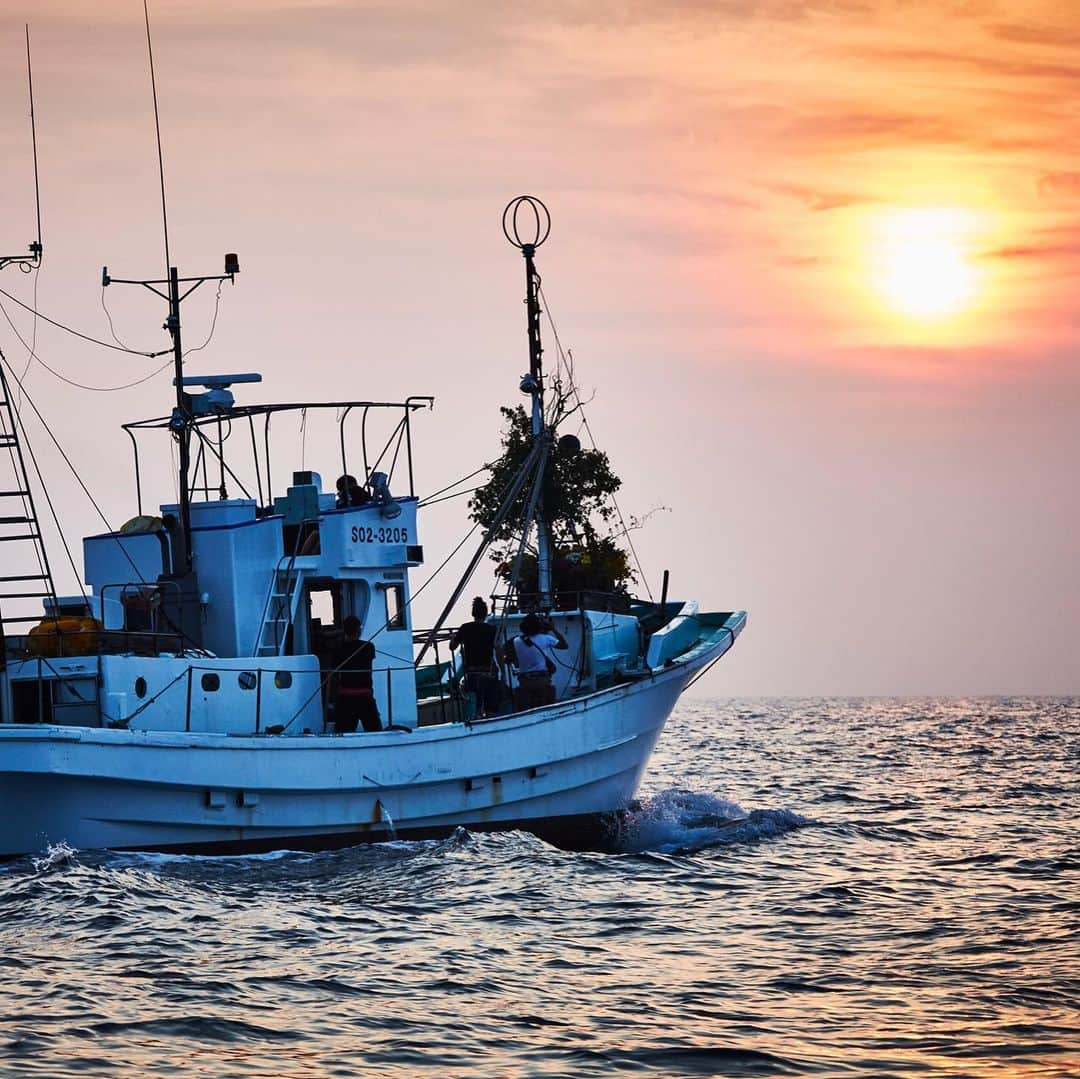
[[64, 378], [213, 323], [450, 486], [78, 333], [112, 328], [33, 334], [581, 406], [446, 498]]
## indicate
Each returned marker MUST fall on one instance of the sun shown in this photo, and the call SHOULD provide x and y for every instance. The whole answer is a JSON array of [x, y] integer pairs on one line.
[[922, 264]]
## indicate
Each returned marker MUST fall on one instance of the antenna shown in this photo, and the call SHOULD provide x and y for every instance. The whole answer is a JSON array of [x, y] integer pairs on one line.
[[157, 129], [29, 262], [169, 289]]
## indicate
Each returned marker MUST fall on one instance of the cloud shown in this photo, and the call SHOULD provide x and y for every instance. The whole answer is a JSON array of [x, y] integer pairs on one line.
[[819, 200], [939, 60], [872, 128], [1055, 37], [1066, 183]]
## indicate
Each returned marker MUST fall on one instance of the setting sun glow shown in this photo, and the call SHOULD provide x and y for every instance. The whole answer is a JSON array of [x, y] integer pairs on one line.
[[922, 259]]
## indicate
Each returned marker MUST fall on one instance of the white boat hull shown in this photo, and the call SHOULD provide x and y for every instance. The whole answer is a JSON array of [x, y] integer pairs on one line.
[[551, 770]]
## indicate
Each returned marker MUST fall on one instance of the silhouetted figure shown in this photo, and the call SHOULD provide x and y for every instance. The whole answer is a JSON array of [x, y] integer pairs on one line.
[[354, 701], [476, 639], [350, 493]]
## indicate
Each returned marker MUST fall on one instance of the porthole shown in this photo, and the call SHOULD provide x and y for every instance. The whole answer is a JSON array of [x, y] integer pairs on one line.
[[210, 682], [283, 679], [140, 687], [247, 680]]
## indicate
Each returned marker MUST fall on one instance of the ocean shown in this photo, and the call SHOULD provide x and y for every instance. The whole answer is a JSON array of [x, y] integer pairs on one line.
[[808, 887]]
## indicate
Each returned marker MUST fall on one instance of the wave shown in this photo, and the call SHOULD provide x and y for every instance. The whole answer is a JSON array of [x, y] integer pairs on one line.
[[684, 820]]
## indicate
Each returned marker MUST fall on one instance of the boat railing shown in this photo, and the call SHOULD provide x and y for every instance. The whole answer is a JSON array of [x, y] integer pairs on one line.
[[53, 686], [211, 432], [563, 601]]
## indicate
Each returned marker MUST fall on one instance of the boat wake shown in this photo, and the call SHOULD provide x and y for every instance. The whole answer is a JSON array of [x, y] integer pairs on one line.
[[682, 820]]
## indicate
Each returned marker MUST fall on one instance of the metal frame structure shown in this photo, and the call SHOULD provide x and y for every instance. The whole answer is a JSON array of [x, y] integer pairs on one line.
[[400, 436]]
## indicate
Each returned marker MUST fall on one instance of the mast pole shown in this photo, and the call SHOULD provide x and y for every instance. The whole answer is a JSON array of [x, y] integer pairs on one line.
[[181, 414], [539, 430], [181, 420], [527, 236]]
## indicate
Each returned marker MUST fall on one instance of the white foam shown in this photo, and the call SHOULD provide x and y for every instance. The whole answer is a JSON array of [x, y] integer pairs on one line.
[[54, 856], [688, 820]]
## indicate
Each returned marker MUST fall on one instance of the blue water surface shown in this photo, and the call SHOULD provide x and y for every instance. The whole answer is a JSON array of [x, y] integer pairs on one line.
[[809, 887]]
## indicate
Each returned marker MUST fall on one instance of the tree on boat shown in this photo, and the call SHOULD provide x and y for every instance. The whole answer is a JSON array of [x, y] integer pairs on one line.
[[579, 512]]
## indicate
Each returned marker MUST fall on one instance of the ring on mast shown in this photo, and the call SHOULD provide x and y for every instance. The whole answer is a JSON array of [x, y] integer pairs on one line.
[[540, 222]]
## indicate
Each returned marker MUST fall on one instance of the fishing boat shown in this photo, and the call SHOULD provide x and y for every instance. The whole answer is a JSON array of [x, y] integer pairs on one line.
[[184, 699]]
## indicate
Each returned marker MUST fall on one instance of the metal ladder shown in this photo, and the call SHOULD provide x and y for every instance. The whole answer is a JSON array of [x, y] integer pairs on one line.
[[279, 611], [20, 531]]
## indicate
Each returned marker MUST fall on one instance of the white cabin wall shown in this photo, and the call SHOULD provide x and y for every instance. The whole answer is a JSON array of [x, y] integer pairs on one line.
[[116, 558], [234, 567]]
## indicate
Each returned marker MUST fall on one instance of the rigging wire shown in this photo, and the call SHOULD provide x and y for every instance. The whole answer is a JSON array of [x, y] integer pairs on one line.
[[446, 498], [80, 334], [581, 407], [19, 423], [74, 472], [434, 496], [63, 378]]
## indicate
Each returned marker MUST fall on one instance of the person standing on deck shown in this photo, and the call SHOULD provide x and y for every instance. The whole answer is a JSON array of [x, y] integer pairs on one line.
[[535, 664], [476, 639], [351, 686]]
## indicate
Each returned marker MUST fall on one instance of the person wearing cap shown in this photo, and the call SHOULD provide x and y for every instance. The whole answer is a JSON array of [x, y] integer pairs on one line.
[[534, 661]]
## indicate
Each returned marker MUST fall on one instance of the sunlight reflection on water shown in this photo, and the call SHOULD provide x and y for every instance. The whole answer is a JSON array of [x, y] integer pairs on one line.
[[807, 887]]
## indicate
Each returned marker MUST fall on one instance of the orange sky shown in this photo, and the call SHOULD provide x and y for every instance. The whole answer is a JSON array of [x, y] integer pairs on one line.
[[749, 202]]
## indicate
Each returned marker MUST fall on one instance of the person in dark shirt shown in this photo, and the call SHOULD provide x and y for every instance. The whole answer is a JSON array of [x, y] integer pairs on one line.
[[351, 682], [350, 493], [476, 639]]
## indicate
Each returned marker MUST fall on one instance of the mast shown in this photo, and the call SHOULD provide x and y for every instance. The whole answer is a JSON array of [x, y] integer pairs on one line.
[[182, 416], [526, 224]]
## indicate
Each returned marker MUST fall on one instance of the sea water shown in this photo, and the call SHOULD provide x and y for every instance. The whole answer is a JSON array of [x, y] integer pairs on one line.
[[808, 887]]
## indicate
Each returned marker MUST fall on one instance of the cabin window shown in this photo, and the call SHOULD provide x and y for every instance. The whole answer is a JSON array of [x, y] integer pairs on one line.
[[210, 682], [395, 606], [247, 680], [323, 605], [140, 687], [283, 679]]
